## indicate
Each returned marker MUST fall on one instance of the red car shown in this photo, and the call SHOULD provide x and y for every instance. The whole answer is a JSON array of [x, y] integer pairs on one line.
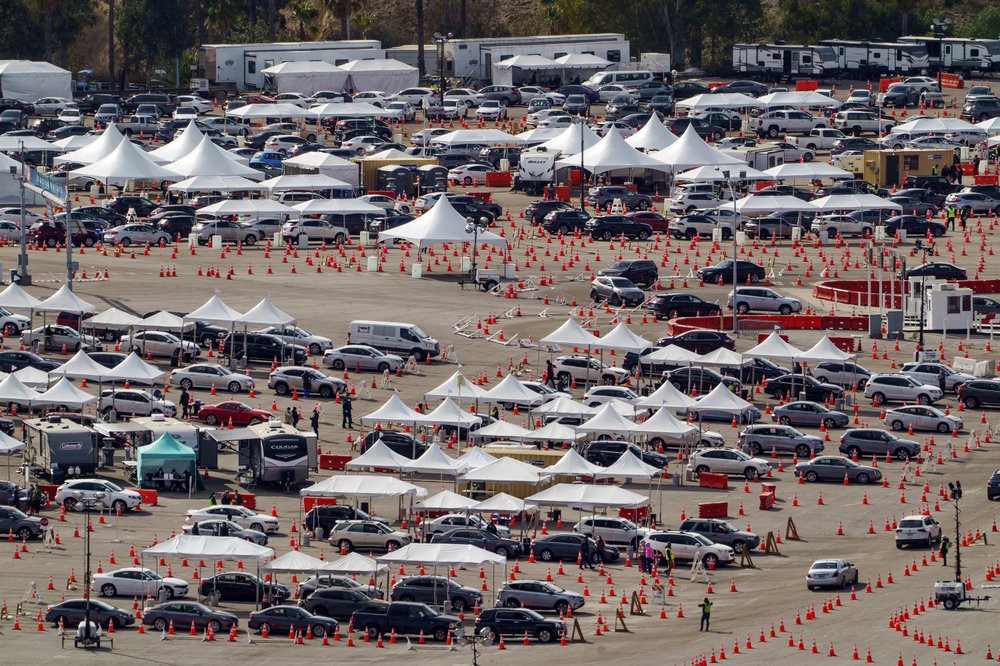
[[652, 218], [240, 413]]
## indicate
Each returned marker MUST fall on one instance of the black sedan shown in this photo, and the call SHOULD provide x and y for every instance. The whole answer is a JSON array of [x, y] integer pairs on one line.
[[687, 89], [592, 95], [912, 206], [13, 360], [669, 305], [537, 210], [914, 226], [484, 539], [723, 271], [493, 623], [984, 305], [183, 613], [861, 143], [700, 341], [241, 586], [338, 603], [751, 88], [792, 384], [73, 611], [833, 468], [281, 619], [607, 227], [938, 269], [565, 548]]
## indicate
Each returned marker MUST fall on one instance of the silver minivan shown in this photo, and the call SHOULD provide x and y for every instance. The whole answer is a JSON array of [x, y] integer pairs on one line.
[[395, 337], [762, 299]]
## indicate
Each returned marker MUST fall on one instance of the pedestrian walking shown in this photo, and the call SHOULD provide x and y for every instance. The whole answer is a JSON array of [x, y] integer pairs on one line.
[[950, 215], [226, 498], [943, 550], [347, 421], [306, 384], [649, 555], [585, 561], [706, 614], [550, 374], [314, 421], [964, 217], [185, 404], [295, 417], [601, 550], [942, 380]]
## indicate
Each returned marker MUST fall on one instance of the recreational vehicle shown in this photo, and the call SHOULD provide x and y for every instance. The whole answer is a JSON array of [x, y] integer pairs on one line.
[[872, 59], [959, 54], [784, 60], [57, 448]]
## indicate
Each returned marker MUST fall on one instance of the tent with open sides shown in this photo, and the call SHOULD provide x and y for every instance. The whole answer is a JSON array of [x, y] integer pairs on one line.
[[448, 413], [722, 399], [511, 390], [572, 140], [665, 425], [573, 464], [824, 350], [475, 458], [506, 470], [629, 466], [719, 101], [13, 390], [96, 150], [354, 563], [690, 151], [167, 454], [265, 313], [322, 164], [611, 153], [607, 421], [126, 162], [445, 500], [295, 561], [64, 300], [81, 366], [458, 388], [16, 298], [63, 393], [378, 456], [500, 430], [623, 338], [653, 136], [510, 71], [393, 411], [359, 485], [443, 554], [229, 549], [564, 406], [504, 503], [554, 432], [571, 334], [435, 461], [208, 159], [587, 497], [774, 348], [134, 369], [441, 224], [183, 144], [666, 396], [214, 311]]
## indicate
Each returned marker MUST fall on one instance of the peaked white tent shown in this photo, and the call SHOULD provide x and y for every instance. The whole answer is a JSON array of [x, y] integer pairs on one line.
[[824, 350], [511, 390], [111, 318], [666, 396], [573, 464], [611, 153], [378, 456], [540, 135], [716, 172], [441, 224], [98, 149], [722, 357], [64, 393], [306, 182], [570, 333], [587, 497], [81, 366], [504, 503], [475, 458], [445, 500], [385, 74], [607, 421], [806, 171], [435, 461], [448, 413], [690, 150], [216, 184], [214, 311], [506, 470], [672, 354], [30, 80], [505, 70], [773, 347], [248, 207], [295, 561], [75, 142], [64, 300], [665, 425], [134, 369], [126, 162], [555, 432], [359, 485], [354, 563], [457, 388], [852, 202], [184, 143], [755, 203], [721, 398], [809, 98], [323, 164], [582, 61], [486, 136], [622, 337], [279, 110], [927, 125], [653, 136], [265, 313], [393, 411], [165, 321], [628, 466], [442, 554], [16, 298], [316, 206], [306, 77], [572, 140], [33, 377], [346, 110], [501, 430], [564, 406], [720, 101], [13, 389], [208, 159], [229, 549]]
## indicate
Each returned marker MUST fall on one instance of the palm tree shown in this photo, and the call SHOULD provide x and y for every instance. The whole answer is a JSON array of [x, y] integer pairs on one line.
[[111, 43], [343, 9], [421, 61], [305, 12], [905, 8]]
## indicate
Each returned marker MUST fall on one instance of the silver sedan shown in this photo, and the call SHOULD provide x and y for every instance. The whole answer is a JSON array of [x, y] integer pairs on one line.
[[922, 417], [127, 234], [363, 357], [207, 375]]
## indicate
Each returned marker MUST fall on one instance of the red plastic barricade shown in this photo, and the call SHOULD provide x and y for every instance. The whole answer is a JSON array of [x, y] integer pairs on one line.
[[713, 509], [309, 502], [49, 490], [562, 192], [769, 488], [636, 515], [987, 180], [149, 496], [764, 336], [485, 197], [883, 84], [949, 80], [498, 179], [249, 500], [843, 344], [766, 501], [806, 85], [334, 462], [717, 481]]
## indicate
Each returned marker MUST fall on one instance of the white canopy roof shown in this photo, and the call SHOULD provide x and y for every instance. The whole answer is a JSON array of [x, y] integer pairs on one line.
[[612, 153], [9, 445], [183, 144], [16, 298], [134, 369], [208, 159], [722, 356], [64, 300], [294, 561], [654, 135], [797, 98], [628, 466], [445, 500], [390, 154], [854, 202], [96, 150], [716, 172], [991, 126], [444, 554], [774, 348], [279, 110], [607, 421], [824, 350], [664, 424], [448, 413], [353, 563], [528, 62], [622, 337], [441, 224], [386, 74], [539, 135], [33, 378], [571, 334], [216, 184], [317, 159], [756, 203], [573, 464], [358, 485], [567, 141], [722, 398], [13, 389], [126, 162], [510, 389], [582, 60], [112, 317], [209, 548], [475, 458], [248, 207], [665, 396], [458, 388], [806, 171], [504, 503], [378, 456], [310, 182], [393, 411], [81, 366], [487, 136], [925, 125], [585, 496], [214, 311], [347, 110], [266, 313], [165, 321], [317, 206], [64, 393], [556, 432], [564, 406], [75, 141], [719, 101], [501, 430], [690, 150], [674, 354], [435, 461], [506, 470]]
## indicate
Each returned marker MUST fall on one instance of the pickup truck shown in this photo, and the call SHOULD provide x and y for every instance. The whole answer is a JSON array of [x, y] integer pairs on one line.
[[138, 125], [405, 617], [775, 123], [858, 122], [820, 138]]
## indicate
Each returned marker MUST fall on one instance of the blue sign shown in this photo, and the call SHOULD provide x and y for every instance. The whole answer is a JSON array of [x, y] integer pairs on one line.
[[48, 183]]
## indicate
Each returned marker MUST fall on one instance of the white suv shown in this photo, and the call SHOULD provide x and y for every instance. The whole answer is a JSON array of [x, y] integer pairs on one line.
[[913, 530], [928, 373], [828, 226], [613, 529], [727, 461], [902, 388], [133, 402], [691, 546], [582, 369], [111, 495], [600, 395]]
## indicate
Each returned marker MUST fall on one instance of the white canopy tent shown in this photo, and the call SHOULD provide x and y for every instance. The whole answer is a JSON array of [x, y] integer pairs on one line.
[[184, 143], [295, 561], [540, 135], [442, 554], [229, 549], [441, 224], [824, 350], [501, 430], [354, 563], [445, 500], [607, 421], [111, 318], [852, 202], [323, 164], [346, 110], [573, 464], [720, 101], [8, 447], [75, 142], [393, 411], [506, 470], [305, 182], [81, 366], [475, 458], [134, 369], [665, 425], [582, 61], [807, 98], [564, 406], [358, 485], [385, 74], [721, 398], [571, 334], [715, 172], [672, 354], [628, 466], [572, 140], [690, 151], [623, 338], [504, 71], [216, 184], [991, 126], [587, 497], [14, 297], [64, 300], [448, 413], [555, 432], [208, 159], [653, 136], [774, 347], [611, 153], [806, 171], [756, 203], [723, 357], [249, 207], [504, 503], [63, 393], [322, 206], [927, 125], [511, 390], [435, 461], [165, 321], [13, 390], [666, 396], [265, 313], [33, 378], [126, 162], [486, 136], [96, 150], [306, 77], [378, 456], [30, 80], [279, 110]]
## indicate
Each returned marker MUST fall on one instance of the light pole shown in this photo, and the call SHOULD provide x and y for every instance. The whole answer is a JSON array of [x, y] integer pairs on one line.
[[956, 494], [582, 191], [732, 181], [472, 227], [22, 263], [939, 29], [440, 40]]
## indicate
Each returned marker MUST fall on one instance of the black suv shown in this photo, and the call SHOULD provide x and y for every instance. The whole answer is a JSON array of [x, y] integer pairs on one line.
[[325, 516], [13, 360], [493, 623], [121, 205], [936, 184], [668, 305], [981, 109], [980, 392], [401, 443], [93, 102], [606, 452], [914, 226], [604, 196], [165, 103], [565, 220], [607, 227], [642, 272], [537, 210], [724, 271], [434, 590], [474, 209], [263, 347], [812, 388], [751, 373], [703, 379], [704, 129]]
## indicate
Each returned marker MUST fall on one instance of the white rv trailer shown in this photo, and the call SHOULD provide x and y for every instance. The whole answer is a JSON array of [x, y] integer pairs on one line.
[[872, 59], [777, 60], [241, 64], [959, 54]]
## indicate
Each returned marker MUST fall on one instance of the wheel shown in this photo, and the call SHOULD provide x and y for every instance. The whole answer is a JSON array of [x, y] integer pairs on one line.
[[392, 545], [212, 419], [488, 635], [257, 527], [340, 239], [726, 234], [923, 399], [742, 308], [878, 398], [250, 240], [772, 132], [125, 242], [458, 604], [319, 630], [382, 367], [710, 560], [643, 235], [545, 555], [862, 478], [186, 384], [901, 455], [615, 300], [88, 242], [802, 451], [160, 624], [756, 449], [345, 545], [754, 278], [406, 597], [512, 603], [950, 604], [606, 235], [501, 551], [594, 296], [971, 401], [690, 234], [737, 546], [168, 592], [784, 420], [119, 506], [563, 229], [281, 388], [234, 387], [785, 310], [701, 469], [564, 376], [562, 607], [853, 451], [811, 477], [643, 205], [108, 590], [750, 473], [70, 503], [467, 180], [440, 634], [264, 628], [325, 392], [545, 635], [51, 242]]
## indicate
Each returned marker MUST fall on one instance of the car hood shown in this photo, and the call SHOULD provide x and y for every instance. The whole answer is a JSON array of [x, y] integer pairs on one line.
[[173, 582], [905, 442]]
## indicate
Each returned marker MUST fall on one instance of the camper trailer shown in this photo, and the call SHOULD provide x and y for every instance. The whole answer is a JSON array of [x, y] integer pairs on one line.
[[784, 60], [185, 433], [536, 170], [278, 453], [872, 59], [959, 54], [57, 448]]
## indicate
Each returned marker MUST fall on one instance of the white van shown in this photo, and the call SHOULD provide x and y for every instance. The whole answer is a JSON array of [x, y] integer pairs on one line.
[[631, 78], [394, 337]]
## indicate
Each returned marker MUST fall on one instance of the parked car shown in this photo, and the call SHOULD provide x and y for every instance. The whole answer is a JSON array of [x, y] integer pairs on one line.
[[721, 531], [78, 492], [761, 439], [55, 337], [361, 357], [235, 513], [484, 539], [262, 347], [873, 441], [138, 582], [613, 529], [14, 521], [639, 271], [160, 343], [436, 590], [605, 453], [700, 341], [602, 197], [229, 231], [367, 535], [588, 369], [670, 305], [185, 614], [325, 581], [841, 373], [282, 619], [930, 373], [993, 486], [976, 393], [405, 618], [833, 468], [918, 530], [564, 221], [617, 291], [71, 612], [326, 516], [221, 527], [690, 546], [796, 384], [565, 548], [133, 402], [210, 375], [763, 299], [13, 360], [900, 388], [921, 417], [831, 573], [242, 586], [285, 379], [808, 413], [606, 227], [494, 623], [338, 603], [701, 379], [538, 595], [723, 272], [238, 413], [727, 461]]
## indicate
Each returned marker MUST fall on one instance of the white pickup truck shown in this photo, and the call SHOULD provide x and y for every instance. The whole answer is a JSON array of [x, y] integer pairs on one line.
[[858, 122], [820, 138], [776, 123]]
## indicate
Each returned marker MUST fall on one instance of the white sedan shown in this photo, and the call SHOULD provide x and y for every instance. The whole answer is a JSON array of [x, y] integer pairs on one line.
[[400, 112], [375, 98], [564, 120], [209, 375], [159, 343], [470, 174], [298, 99], [185, 113], [13, 214], [491, 109], [469, 96], [609, 92], [52, 106], [139, 583], [70, 116], [316, 344], [388, 203], [923, 83], [240, 515], [200, 104]]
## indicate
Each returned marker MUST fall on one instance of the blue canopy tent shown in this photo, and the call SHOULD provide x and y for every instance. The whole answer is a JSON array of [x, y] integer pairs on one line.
[[166, 455]]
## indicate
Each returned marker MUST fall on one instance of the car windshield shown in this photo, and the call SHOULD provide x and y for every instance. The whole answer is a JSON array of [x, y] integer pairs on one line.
[[113, 487], [152, 575], [911, 523], [620, 282], [825, 565], [704, 541], [628, 524]]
